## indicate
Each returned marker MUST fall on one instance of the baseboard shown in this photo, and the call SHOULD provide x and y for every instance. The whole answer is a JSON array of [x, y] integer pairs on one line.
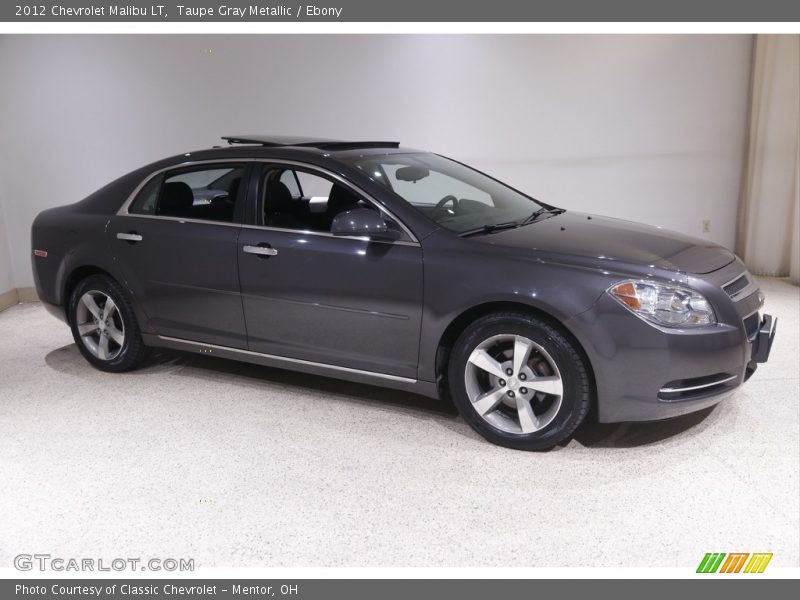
[[17, 295], [27, 294], [9, 298]]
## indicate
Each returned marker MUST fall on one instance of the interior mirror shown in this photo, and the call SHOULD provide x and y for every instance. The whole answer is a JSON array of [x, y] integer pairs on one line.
[[363, 222], [411, 173]]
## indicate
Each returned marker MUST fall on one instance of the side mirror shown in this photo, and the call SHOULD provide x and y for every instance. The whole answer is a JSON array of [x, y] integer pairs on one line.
[[363, 222]]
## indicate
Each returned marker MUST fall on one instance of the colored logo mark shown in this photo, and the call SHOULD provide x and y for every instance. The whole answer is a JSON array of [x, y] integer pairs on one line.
[[735, 562]]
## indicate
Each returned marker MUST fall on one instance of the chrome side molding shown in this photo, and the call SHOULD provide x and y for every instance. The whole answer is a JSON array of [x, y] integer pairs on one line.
[[204, 348]]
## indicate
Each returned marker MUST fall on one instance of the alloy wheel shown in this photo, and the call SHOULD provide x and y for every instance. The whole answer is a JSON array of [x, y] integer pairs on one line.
[[100, 325], [513, 384]]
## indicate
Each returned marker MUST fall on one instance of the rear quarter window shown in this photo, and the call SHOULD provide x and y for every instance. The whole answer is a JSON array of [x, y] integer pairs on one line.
[[145, 201]]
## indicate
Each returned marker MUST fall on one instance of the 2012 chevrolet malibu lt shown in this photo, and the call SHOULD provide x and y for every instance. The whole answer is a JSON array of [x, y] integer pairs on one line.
[[403, 269]]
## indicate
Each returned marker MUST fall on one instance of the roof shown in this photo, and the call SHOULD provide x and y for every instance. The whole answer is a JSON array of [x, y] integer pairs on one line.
[[306, 142]]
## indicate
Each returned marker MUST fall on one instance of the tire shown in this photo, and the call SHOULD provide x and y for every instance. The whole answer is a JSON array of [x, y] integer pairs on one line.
[[493, 402], [113, 344]]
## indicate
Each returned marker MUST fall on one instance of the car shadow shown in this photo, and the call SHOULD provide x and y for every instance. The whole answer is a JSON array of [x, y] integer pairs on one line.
[[591, 434], [69, 360]]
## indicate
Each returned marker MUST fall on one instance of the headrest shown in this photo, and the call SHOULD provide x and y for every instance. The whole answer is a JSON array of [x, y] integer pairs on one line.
[[176, 199], [277, 196]]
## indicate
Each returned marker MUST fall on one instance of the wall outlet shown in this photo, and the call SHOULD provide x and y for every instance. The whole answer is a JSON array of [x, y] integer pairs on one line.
[[706, 225]]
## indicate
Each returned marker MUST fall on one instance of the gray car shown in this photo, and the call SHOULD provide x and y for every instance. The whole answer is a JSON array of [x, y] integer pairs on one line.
[[402, 269]]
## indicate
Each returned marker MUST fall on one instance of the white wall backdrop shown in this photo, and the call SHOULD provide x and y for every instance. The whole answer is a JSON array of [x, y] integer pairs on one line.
[[6, 271], [649, 128]]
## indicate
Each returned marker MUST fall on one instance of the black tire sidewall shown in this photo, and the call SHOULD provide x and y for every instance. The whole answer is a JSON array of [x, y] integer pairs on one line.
[[124, 360], [576, 397]]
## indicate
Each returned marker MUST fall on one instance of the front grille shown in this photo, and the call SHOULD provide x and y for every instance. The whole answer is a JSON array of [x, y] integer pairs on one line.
[[737, 285]]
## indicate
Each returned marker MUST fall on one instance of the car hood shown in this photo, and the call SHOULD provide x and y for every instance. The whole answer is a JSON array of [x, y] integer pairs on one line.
[[591, 238]]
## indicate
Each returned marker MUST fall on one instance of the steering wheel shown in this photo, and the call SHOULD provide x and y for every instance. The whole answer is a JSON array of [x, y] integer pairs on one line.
[[439, 208]]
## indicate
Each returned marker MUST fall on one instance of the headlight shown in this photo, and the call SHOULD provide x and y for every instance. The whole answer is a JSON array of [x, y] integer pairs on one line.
[[665, 305]]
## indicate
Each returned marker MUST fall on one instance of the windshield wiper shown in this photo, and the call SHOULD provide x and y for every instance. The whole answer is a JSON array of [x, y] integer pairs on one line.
[[484, 229], [490, 228], [539, 212]]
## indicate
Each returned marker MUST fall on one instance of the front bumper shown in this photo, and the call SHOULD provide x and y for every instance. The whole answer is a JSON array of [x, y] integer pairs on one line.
[[643, 373]]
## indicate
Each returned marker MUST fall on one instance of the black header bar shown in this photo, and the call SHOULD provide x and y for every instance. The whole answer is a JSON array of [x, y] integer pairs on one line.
[[544, 11], [388, 589]]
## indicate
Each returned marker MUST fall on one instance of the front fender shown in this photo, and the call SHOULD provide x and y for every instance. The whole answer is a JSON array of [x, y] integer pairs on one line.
[[457, 282]]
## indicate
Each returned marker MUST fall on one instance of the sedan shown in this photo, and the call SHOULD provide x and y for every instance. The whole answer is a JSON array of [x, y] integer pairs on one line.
[[404, 269]]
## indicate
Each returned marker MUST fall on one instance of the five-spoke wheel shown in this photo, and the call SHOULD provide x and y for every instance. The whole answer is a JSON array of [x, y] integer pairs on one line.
[[513, 383], [519, 380], [100, 325], [104, 324]]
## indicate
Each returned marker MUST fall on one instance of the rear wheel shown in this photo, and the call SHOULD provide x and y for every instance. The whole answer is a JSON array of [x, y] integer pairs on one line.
[[519, 381], [104, 325]]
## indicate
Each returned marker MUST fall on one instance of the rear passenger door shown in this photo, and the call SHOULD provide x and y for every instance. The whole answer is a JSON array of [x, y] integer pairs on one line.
[[177, 245]]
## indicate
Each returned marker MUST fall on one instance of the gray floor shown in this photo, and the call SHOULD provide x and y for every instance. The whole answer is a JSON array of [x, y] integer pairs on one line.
[[236, 465]]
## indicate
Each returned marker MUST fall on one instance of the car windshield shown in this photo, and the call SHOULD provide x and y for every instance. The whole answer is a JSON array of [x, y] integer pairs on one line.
[[451, 194]]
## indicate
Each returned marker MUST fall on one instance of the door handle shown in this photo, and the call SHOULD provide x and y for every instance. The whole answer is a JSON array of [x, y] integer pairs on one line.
[[132, 237], [260, 250]]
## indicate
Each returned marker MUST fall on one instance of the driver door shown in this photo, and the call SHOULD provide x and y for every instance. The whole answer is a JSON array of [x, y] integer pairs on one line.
[[307, 294]]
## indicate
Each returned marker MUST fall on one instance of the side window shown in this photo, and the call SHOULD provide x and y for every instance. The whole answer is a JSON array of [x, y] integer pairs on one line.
[[145, 201], [289, 179], [314, 186], [312, 207], [207, 194]]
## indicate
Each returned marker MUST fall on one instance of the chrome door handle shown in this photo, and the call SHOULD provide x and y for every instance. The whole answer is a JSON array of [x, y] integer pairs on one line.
[[260, 250], [130, 237]]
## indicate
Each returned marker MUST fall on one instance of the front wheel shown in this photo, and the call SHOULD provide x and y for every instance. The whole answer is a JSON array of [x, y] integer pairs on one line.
[[519, 381], [104, 325]]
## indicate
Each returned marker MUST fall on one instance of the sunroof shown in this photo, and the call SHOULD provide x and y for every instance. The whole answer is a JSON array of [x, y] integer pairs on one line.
[[308, 142]]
